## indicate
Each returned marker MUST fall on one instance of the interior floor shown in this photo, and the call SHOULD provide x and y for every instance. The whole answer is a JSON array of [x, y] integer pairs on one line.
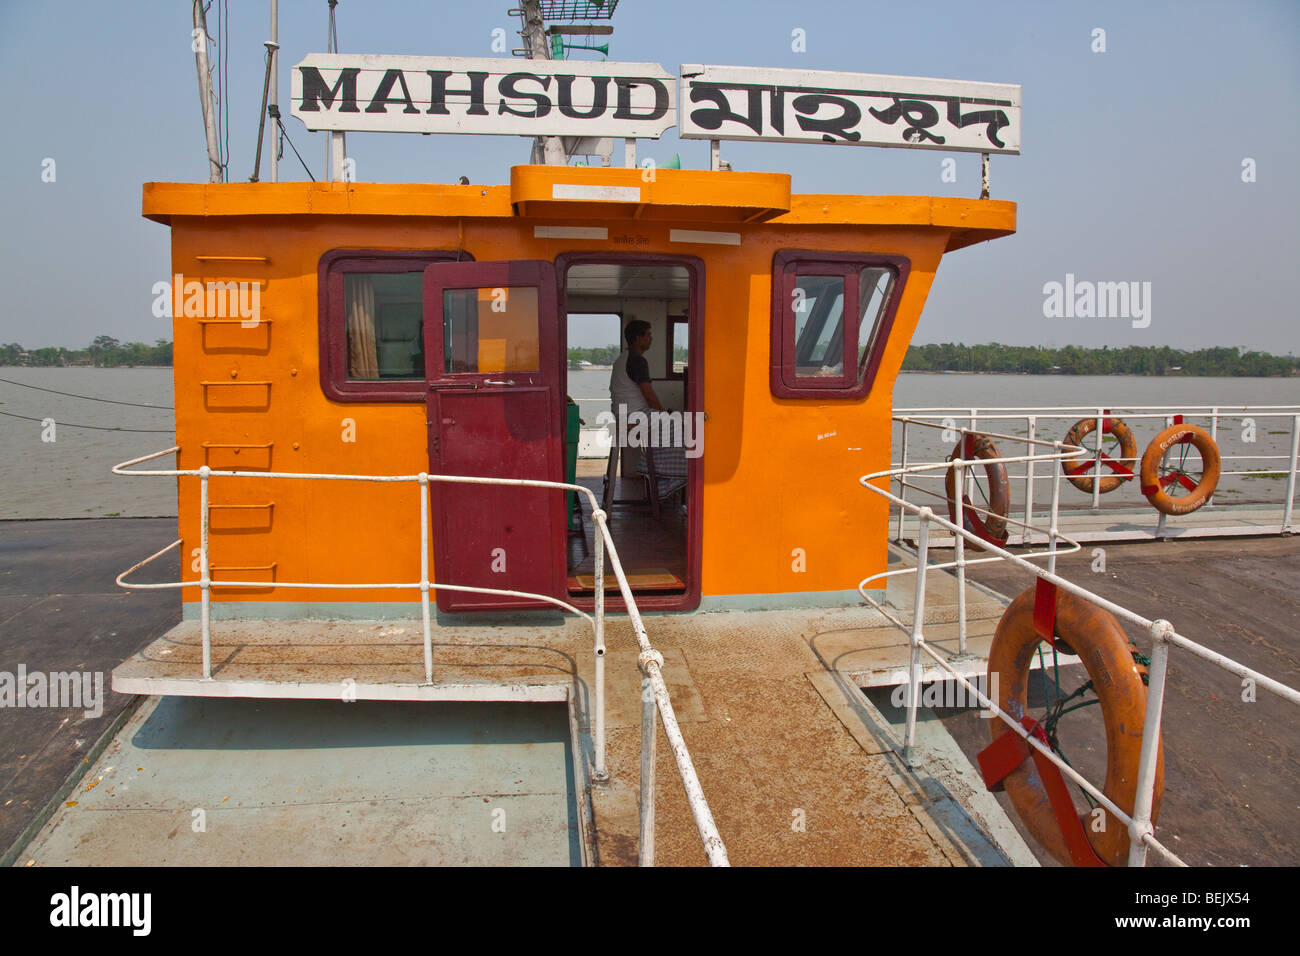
[[646, 546]]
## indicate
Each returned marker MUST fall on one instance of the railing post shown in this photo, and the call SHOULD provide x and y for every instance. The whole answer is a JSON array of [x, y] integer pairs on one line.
[[1291, 476], [918, 636], [902, 488], [1214, 436], [601, 775], [1148, 757], [960, 546], [424, 576], [1096, 466], [1027, 536], [205, 577], [968, 487], [649, 750], [1053, 525]]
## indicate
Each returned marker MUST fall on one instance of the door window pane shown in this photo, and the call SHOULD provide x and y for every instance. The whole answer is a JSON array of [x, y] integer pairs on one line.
[[491, 330]]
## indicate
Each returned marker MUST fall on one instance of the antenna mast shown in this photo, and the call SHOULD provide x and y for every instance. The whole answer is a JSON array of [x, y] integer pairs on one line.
[[205, 90], [546, 149]]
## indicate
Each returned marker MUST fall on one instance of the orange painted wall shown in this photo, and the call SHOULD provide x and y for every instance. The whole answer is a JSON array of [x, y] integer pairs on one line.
[[779, 474]]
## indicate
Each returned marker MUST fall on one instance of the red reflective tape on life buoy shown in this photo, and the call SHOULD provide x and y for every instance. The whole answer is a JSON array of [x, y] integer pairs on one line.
[[1045, 610], [1178, 419], [1005, 755], [1076, 841], [1148, 490], [1000, 758], [1116, 466], [976, 526]]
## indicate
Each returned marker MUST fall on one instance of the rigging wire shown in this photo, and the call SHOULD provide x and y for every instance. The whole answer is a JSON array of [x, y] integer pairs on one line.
[[284, 136], [89, 398], [99, 428]]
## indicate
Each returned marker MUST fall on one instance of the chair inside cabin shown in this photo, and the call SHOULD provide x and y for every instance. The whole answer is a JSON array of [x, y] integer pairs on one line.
[[663, 471]]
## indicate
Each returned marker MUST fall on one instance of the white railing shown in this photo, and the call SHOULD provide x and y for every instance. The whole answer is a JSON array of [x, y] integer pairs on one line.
[[1162, 633], [1212, 416], [654, 693]]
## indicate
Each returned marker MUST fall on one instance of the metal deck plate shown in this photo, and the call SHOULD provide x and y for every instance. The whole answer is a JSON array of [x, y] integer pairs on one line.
[[194, 781]]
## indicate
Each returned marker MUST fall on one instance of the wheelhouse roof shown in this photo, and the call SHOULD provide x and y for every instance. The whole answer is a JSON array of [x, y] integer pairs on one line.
[[592, 193]]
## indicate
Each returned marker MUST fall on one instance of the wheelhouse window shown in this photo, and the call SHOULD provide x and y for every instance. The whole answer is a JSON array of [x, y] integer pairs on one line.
[[831, 315], [678, 344], [385, 325], [372, 324]]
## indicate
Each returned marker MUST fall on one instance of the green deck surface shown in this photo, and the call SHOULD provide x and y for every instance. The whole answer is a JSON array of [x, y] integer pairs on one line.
[[303, 782]]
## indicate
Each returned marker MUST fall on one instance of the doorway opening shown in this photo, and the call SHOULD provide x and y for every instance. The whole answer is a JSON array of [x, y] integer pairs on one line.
[[640, 447]]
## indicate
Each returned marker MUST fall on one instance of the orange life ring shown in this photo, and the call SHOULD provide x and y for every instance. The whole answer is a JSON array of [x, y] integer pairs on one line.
[[992, 528], [1156, 477], [1095, 635], [1080, 470]]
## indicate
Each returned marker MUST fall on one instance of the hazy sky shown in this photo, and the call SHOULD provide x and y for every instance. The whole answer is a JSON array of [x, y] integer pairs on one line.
[[1131, 170]]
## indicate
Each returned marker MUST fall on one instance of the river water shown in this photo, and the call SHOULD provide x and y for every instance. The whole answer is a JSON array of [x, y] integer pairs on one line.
[[68, 477]]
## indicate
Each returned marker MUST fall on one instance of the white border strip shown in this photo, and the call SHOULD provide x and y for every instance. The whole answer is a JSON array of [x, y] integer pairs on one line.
[[570, 232], [600, 193], [712, 238]]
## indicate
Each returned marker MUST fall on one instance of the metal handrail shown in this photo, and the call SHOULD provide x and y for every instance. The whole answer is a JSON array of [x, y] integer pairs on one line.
[[1162, 633], [654, 695], [918, 416]]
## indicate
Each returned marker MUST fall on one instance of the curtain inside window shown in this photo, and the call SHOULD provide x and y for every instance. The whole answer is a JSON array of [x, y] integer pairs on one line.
[[359, 304]]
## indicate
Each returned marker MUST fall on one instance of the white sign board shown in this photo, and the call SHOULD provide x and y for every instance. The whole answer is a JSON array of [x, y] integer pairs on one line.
[[864, 109], [426, 94]]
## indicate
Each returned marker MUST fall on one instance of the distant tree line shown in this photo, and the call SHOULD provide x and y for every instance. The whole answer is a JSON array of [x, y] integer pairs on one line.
[[107, 352], [606, 354], [1073, 360], [104, 352]]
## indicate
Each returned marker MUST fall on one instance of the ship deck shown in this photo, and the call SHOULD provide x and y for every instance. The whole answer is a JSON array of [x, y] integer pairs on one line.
[[767, 701], [799, 766]]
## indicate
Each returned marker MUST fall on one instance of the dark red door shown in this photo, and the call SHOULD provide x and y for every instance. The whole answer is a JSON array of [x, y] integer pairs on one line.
[[493, 368]]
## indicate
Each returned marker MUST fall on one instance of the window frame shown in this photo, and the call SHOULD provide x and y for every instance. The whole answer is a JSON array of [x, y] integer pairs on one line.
[[858, 376], [332, 319], [672, 323]]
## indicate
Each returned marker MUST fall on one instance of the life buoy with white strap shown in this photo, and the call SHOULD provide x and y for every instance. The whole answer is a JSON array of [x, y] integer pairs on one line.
[[1117, 678]]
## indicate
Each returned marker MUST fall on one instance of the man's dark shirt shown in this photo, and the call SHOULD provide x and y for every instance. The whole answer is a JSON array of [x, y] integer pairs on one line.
[[638, 369]]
